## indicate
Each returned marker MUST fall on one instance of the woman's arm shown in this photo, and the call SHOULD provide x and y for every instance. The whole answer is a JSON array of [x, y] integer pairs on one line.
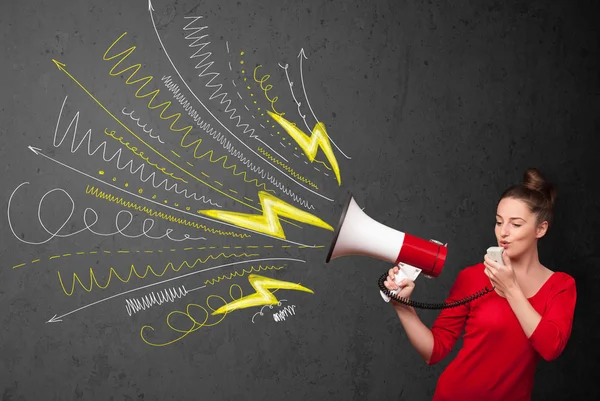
[[526, 314], [436, 343], [419, 335]]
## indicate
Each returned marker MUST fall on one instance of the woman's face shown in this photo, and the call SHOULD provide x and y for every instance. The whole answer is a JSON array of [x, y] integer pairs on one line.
[[516, 228]]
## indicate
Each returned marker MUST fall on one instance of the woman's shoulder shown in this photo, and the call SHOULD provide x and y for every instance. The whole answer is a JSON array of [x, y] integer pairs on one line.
[[562, 280]]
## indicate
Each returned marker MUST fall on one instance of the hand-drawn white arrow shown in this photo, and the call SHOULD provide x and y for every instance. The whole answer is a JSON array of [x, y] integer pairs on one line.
[[301, 56], [56, 319]]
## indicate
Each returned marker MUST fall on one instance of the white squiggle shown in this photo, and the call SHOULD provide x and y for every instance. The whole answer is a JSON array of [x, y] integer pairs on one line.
[[88, 226], [134, 305], [204, 72], [270, 307], [164, 184], [228, 146], [143, 127], [298, 104], [284, 313]]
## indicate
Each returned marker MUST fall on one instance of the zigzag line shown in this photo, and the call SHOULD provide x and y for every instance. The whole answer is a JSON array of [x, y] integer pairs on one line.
[[165, 105], [243, 272], [287, 168], [91, 190], [226, 144], [132, 271], [147, 79], [133, 149], [133, 171], [204, 73]]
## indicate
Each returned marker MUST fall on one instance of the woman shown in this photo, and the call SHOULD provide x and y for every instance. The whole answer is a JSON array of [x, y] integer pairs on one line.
[[528, 316]]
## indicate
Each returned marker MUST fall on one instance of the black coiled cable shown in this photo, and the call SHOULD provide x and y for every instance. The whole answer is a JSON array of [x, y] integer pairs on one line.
[[423, 305]]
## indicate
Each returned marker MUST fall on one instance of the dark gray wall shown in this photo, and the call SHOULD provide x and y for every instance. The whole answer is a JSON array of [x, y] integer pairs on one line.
[[440, 105]]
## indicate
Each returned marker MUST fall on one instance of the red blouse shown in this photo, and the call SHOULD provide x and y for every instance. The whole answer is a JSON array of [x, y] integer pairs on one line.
[[497, 360]]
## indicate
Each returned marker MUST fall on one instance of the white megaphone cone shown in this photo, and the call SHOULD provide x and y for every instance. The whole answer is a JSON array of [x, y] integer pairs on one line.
[[358, 234]]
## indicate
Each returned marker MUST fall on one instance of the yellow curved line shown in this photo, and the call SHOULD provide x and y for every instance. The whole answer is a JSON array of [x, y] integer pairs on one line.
[[93, 191], [287, 168], [242, 273], [323, 163], [133, 271]]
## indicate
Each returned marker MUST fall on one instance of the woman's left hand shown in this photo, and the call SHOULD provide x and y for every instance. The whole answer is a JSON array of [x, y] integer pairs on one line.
[[503, 278]]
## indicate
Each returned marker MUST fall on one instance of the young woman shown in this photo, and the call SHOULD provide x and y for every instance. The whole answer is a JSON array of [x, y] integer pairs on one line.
[[528, 316]]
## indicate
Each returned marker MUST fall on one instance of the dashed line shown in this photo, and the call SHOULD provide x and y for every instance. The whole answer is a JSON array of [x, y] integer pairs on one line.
[[296, 155], [190, 164], [233, 82], [235, 192], [317, 169], [262, 126], [282, 144], [227, 45], [172, 250], [240, 96], [175, 154], [248, 199], [230, 66], [217, 182]]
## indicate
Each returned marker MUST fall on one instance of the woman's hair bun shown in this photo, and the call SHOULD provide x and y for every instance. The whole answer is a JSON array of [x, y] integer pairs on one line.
[[534, 180]]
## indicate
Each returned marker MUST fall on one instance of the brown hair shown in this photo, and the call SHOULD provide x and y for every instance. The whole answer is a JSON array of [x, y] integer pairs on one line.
[[537, 193]]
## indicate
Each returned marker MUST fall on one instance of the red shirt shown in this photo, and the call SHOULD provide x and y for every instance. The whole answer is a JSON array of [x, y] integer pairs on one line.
[[497, 360]]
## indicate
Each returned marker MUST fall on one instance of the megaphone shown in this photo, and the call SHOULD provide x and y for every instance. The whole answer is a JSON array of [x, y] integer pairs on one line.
[[359, 234]]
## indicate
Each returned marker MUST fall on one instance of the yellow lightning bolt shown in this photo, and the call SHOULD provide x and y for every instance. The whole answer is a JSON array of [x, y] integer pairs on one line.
[[268, 223], [310, 144], [262, 296]]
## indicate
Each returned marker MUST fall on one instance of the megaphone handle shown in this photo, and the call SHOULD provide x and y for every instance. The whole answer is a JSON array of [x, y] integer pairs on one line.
[[401, 275]]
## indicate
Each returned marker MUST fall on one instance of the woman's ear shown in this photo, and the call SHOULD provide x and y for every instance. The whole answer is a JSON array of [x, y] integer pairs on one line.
[[541, 229]]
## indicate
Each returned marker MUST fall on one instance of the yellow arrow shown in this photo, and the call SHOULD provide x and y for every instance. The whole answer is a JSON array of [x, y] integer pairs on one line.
[[61, 67]]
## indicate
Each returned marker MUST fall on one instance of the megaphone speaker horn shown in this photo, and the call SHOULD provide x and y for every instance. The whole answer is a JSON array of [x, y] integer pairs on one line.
[[359, 234]]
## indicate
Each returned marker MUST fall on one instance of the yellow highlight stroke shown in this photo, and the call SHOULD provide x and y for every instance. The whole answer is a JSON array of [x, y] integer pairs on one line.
[[310, 144], [242, 273], [61, 68], [165, 106], [262, 296], [287, 168], [93, 191], [132, 271], [268, 223], [141, 155]]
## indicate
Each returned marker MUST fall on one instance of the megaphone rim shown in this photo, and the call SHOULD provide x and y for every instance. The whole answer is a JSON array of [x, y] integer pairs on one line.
[[336, 233]]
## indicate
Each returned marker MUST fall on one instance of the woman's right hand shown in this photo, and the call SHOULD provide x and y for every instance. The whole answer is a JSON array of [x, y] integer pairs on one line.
[[406, 285]]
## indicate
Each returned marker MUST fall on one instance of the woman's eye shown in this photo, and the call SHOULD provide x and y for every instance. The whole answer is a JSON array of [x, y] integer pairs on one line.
[[498, 223], [517, 225]]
